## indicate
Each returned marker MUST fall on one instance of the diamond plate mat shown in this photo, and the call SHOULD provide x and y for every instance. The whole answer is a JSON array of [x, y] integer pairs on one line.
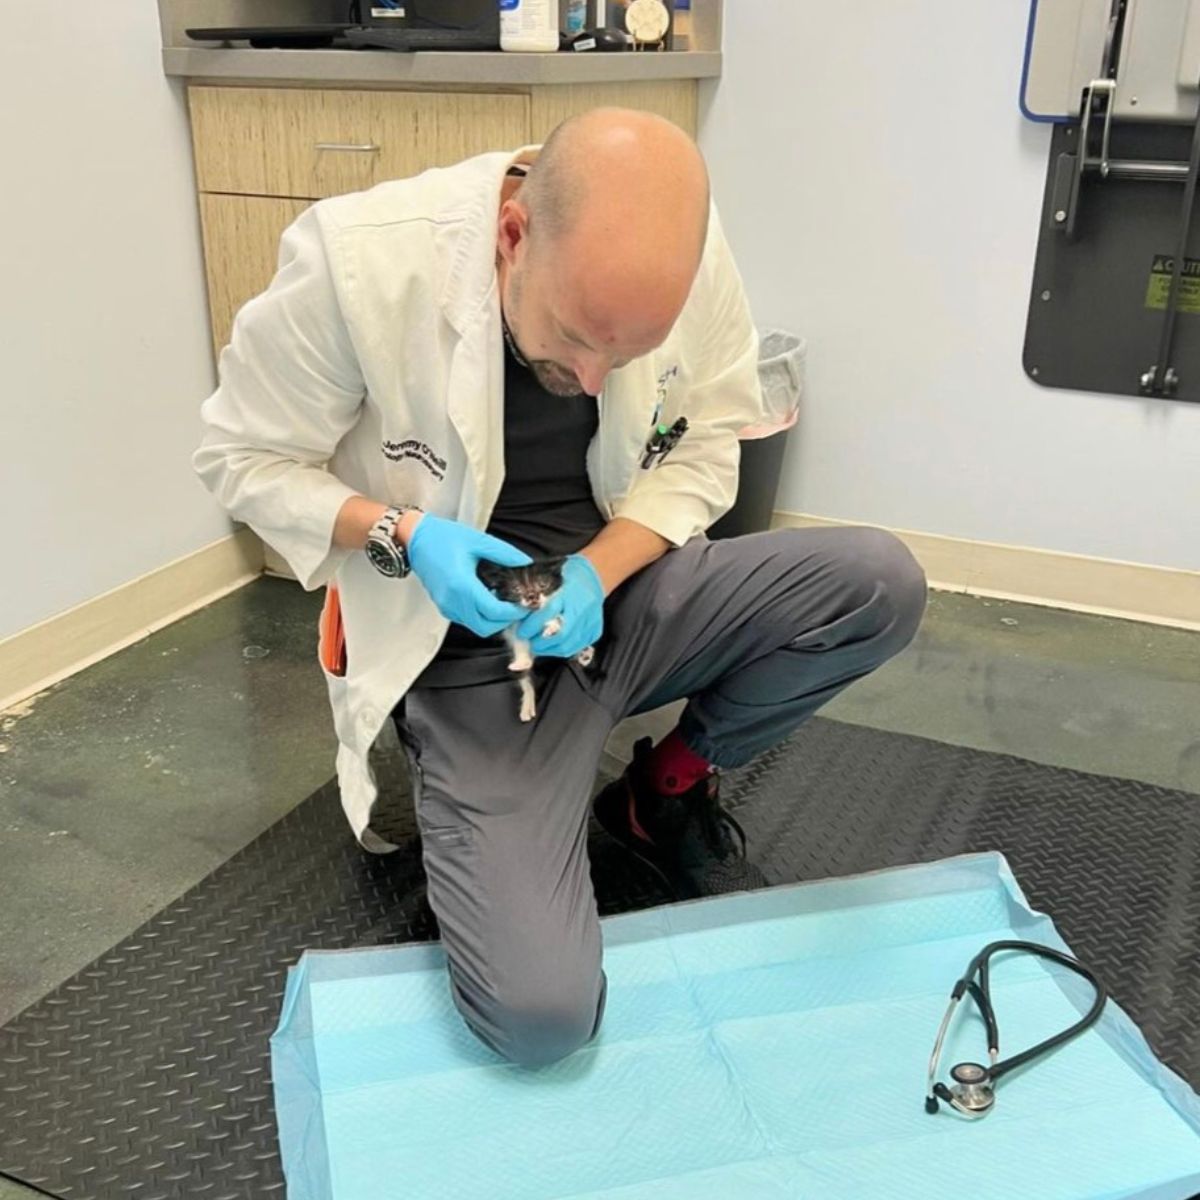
[[147, 1074]]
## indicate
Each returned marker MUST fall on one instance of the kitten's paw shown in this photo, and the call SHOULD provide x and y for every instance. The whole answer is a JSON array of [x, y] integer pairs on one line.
[[553, 627], [586, 656]]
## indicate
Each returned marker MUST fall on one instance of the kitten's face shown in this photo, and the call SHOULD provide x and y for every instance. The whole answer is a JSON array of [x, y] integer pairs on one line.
[[529, 586]]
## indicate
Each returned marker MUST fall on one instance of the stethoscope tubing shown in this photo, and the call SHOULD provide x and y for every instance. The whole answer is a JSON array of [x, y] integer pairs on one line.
[[981, 993], [983, 997]]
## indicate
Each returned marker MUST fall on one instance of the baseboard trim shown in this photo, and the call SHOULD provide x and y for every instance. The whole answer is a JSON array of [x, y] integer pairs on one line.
[[1132, 591], [35, 658]]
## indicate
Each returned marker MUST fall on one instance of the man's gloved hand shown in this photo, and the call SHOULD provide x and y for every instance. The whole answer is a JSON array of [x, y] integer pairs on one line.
[[444, 555], [578, 604]]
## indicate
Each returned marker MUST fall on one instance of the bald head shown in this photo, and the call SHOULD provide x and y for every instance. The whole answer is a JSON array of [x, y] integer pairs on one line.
[[610, 223], [616, 156]]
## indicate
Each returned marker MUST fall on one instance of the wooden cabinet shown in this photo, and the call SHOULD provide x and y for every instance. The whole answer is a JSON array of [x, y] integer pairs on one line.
[[549, 106], [241, 243], [318, 142], [264, 153]]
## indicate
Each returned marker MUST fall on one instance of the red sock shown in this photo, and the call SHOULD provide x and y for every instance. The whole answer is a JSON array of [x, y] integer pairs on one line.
[[674, 768]]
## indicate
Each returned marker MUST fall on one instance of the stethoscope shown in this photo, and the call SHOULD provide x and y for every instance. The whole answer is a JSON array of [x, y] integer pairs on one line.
[[973, 1093]]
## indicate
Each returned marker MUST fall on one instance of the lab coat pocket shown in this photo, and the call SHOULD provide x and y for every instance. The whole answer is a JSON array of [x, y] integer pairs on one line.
[[331, 635], [331, 654], [343, 722]]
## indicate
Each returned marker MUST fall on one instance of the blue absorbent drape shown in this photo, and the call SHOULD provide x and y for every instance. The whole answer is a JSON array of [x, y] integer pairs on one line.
[[770, 1045]]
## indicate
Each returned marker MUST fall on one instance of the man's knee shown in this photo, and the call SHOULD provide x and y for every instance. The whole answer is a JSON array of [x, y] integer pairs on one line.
[[902, 579], [880, 573], [541, 1017]]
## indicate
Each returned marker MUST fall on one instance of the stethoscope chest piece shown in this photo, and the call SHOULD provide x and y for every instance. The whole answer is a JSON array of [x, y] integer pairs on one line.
[[972, 1091]]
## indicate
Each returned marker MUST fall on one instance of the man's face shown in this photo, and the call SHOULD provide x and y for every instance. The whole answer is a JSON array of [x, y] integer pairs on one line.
[[561, 330], [532, 328]]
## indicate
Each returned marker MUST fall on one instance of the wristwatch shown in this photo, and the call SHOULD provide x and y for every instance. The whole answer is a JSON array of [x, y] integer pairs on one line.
[[387, 554]]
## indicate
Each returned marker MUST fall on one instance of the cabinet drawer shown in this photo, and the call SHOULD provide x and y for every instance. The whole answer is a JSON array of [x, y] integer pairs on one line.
[[315, 142], [241, 248]]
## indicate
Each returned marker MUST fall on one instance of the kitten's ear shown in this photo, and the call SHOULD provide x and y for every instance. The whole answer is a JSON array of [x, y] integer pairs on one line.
[[553, 567], [491, 574]]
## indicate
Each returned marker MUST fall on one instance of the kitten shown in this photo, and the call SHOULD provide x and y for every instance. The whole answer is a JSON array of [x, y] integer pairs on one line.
[[529, 587]]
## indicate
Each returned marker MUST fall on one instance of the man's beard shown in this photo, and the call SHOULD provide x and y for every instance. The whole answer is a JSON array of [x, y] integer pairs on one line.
[[556, 379]]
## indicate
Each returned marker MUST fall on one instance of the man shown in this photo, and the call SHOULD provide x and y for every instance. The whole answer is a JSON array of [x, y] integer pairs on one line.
[[491, 347]]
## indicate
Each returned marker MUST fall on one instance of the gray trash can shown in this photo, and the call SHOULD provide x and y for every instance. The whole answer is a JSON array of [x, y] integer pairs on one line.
[[781, 373]]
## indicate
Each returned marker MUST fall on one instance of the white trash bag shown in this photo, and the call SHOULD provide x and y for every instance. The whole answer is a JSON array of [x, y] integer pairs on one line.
[[781, 373]]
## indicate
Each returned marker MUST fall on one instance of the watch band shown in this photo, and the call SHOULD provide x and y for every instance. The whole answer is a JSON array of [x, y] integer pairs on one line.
[[395, 512], [387, 553]]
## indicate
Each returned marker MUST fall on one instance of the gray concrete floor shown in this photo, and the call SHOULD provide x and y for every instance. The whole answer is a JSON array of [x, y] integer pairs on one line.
[[125, 785]]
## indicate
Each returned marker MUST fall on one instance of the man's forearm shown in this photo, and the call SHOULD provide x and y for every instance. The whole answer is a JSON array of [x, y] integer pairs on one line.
[[358, 514], [621, 549]]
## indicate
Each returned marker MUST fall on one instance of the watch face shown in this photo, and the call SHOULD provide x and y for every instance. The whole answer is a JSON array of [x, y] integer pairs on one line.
[[383, 557], [647, 20]]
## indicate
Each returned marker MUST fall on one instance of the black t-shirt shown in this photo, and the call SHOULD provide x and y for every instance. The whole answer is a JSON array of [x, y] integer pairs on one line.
[[545, 506]]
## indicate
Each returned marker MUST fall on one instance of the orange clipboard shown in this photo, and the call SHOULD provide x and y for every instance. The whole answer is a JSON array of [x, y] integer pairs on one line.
[[331, 639]]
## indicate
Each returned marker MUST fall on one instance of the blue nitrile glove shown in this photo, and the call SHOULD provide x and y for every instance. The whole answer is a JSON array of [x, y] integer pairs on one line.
[[444, 555], [579, 604]]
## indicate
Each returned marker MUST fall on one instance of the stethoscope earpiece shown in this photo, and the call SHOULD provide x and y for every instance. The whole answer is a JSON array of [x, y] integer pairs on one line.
[[974, 1090]]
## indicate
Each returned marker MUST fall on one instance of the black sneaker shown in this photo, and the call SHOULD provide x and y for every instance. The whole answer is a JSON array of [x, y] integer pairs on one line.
[[688, 840]]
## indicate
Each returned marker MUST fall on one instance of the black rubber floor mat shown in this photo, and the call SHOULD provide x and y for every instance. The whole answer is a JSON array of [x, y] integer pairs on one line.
[[147, 1074]]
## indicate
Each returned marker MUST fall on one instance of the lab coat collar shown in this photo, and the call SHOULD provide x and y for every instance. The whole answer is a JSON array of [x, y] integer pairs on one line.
[[472, 275]]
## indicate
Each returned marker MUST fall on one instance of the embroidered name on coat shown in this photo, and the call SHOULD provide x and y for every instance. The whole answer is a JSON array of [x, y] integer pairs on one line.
[[420, 452]]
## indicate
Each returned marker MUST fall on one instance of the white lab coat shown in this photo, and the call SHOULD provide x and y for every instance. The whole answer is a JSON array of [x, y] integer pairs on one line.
[[373, 364]]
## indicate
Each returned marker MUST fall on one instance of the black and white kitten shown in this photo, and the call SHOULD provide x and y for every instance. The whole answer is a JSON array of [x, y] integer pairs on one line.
[[530, 587]]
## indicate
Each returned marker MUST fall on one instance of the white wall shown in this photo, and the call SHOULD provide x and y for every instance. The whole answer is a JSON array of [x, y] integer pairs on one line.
[[882, 194], [103, 328]]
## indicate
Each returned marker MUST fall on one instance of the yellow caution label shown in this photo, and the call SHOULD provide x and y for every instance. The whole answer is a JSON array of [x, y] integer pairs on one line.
[[1159, 287]]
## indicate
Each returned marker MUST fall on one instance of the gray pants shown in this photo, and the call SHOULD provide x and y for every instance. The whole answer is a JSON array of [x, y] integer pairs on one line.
[[757, 632]]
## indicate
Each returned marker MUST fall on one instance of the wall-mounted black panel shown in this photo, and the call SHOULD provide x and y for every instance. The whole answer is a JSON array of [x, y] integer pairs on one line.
[[1098, 298]]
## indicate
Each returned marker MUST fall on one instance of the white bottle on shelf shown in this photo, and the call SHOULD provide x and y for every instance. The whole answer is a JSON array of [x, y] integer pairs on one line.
[[529, 25]]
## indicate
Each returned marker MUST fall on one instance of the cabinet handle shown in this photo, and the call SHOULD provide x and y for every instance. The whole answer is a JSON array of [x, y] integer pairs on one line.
[[365, 148]]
